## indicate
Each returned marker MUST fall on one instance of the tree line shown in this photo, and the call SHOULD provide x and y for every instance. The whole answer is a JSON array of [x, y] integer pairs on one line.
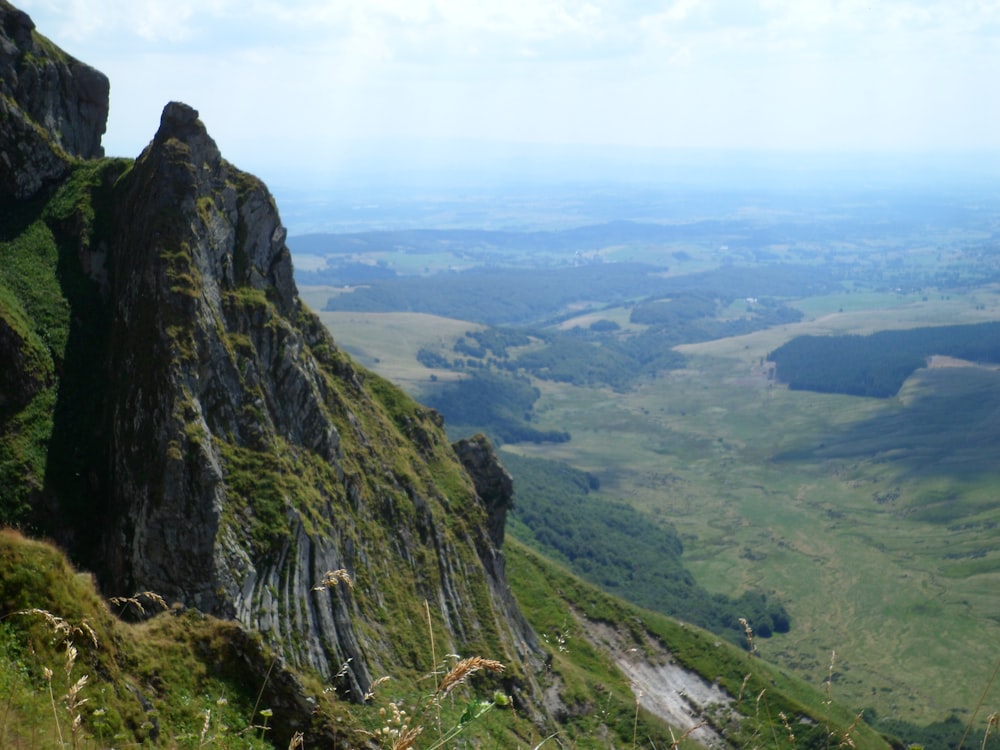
[[878, 364]]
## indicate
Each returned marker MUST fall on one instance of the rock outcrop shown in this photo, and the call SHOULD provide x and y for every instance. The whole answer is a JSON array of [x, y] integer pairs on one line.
[[495, 488], [220, 450], [249, 457], [493, 482], [52, 107]]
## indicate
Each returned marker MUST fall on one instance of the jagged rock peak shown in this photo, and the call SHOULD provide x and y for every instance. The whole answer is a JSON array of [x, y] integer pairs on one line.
[[238, 456], [181, 121], [248, 456], [242, 240]]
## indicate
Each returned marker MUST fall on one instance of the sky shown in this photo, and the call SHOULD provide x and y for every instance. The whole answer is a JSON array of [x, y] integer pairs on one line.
[[317, 87]]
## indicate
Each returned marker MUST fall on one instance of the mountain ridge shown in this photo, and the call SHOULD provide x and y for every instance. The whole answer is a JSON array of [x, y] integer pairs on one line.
[[217, 447]]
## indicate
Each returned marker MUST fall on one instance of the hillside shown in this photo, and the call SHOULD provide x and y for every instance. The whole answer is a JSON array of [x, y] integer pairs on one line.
[[184, 428]]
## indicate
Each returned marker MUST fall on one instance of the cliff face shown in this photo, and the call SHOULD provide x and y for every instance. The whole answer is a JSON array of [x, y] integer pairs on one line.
[[221, 450], [52, 107], [248, 456]]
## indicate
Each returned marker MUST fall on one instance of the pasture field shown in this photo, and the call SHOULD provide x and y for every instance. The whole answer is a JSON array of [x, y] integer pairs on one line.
[[874, 521], [388, 342]]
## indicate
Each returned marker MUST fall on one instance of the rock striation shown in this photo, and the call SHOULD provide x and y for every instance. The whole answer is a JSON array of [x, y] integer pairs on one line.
[[249, 457]]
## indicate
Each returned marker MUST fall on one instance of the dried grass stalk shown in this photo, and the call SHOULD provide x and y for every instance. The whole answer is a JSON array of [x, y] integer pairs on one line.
[[461, 671], [333, 578]]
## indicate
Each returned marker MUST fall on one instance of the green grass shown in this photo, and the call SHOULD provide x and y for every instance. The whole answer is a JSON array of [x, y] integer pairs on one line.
[[855, 302], [52, 307], [316, 296], [28, 271], [35, 311], [181, 666], [183, 680], [619, 315], [562, 607], [389, 342]]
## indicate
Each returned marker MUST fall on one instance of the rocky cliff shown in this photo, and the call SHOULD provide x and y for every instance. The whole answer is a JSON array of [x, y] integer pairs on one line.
[[181, 423], [52, 108]]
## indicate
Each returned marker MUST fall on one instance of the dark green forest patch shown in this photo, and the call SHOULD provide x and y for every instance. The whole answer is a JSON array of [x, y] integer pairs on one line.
[[538, 296], [497, 405], [607, 356], [878, 364], [499, 296]]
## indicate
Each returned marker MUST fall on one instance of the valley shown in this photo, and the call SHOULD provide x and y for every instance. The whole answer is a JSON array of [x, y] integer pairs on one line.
[[872, 520]]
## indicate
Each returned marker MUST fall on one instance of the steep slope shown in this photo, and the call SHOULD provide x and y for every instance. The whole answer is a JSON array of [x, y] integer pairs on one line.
[[248, 457], [182, 424]]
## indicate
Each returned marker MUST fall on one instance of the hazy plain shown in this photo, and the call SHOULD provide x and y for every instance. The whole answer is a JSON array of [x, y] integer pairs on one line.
[[874, 520]]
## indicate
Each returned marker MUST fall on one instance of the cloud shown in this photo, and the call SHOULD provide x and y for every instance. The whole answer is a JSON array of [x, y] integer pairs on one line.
[[148, 20], [309, 75], [540, 25]]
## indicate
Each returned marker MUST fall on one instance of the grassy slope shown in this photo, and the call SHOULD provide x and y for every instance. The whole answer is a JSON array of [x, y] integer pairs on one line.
[[47, 302], [560, 606], [388, 342], [165, 661], [181, 680]]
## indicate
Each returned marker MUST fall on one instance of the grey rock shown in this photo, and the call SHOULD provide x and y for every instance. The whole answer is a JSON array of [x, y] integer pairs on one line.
[[493, 482], [212, 352], [52, 108], [240, 456]]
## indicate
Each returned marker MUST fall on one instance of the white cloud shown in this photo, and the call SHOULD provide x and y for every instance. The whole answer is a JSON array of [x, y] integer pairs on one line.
[[802, 73], [149, 20]]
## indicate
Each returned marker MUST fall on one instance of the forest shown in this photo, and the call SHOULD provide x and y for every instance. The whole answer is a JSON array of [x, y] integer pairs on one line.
[[545, 295], [878, 364], [602, 353], [499, 296], [495, 405], [558, 511]]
